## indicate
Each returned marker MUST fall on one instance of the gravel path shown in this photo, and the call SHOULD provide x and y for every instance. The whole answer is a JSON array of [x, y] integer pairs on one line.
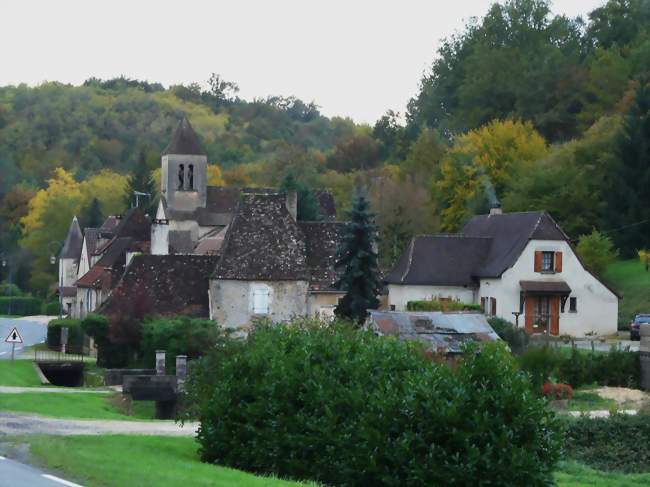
[[31, 424], [577, 414]]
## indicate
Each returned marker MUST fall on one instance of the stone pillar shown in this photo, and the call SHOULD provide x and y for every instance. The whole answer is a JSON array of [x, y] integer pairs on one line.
[[181, 372], [160, 362], [644, 352]]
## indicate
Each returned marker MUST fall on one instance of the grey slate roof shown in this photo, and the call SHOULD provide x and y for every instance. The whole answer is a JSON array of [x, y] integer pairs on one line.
[[169, 284], [184, 141], [180, 242], [73, 241], [440, 259], [510, 233], [92, 236], [439, 331], [321, 242], [263, 242]]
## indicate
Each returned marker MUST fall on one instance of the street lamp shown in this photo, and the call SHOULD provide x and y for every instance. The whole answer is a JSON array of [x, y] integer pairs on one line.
[[60, 279], [5, 263]]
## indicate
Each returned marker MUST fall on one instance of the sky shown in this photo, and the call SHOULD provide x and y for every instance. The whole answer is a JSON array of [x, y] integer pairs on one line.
[[354, 58]]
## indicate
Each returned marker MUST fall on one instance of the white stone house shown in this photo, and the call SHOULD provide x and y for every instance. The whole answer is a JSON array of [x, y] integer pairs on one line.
[[509, 263]]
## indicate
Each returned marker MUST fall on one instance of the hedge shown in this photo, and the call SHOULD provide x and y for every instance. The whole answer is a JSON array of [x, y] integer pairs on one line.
[[614, 368], [618, 443], [75, 333], [437, 305], [51, 309], [20, 305], [516, 338], [108, 354], [343, 407]]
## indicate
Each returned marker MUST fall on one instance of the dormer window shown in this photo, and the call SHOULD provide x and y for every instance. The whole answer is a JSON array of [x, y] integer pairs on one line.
[[548, 261]]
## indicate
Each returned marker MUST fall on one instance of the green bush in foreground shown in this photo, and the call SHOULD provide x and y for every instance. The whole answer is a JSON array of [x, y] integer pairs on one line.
[[619, 443], [344, 407]]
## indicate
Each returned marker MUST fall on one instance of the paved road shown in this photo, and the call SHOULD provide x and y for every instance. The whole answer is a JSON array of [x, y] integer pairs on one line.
[[33, 332], [17, 424], [14, 474]]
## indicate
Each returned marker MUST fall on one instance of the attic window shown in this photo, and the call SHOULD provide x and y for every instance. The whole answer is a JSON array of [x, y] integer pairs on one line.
[[547, 261], [181, 176]]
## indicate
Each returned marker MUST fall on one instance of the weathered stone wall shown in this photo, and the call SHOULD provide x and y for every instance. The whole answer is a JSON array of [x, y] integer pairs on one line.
[[231, 301]]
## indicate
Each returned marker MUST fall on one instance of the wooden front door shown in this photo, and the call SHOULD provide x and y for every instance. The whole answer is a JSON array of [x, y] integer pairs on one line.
[[555, 315], [529, 313]]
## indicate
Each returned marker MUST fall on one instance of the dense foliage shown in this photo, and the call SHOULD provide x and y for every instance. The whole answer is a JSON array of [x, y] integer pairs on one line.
[[614, 368], [619, 443], [344, 407], [516, 338], [109, 355], [20, 305], [75, 334], [441, 305], [178, 336]]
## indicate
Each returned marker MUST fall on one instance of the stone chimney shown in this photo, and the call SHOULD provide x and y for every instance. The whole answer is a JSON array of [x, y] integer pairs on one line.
[[495, 209], [292, 203]]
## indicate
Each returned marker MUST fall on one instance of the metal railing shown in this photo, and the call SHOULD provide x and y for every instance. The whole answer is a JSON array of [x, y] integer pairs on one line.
[[58, 356]]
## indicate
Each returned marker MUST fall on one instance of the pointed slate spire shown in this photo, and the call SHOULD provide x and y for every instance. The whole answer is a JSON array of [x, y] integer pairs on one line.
[[184, 141], [73, 242]]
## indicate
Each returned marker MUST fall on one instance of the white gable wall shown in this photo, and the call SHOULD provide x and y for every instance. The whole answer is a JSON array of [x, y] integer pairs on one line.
[[597, 306], [399, 294]]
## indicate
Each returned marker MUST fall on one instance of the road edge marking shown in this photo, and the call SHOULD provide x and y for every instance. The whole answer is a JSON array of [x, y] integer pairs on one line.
[[2, 458], [61, 481]]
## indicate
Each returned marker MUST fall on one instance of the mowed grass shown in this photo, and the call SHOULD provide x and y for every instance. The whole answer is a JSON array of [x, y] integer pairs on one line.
[[79, 405], [630, 279], [18, 373], [138, 461], [589, 400], [573, 474]]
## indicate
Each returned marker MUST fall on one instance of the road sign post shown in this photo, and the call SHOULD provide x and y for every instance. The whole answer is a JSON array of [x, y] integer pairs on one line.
[[13, 338]]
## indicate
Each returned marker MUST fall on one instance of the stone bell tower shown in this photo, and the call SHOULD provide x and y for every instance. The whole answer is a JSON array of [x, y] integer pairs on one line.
[[184, 170]]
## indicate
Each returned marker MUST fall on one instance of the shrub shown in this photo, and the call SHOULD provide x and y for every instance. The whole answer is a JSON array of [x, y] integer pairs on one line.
[[344, 407], [20, 305], [108, 354], [51, 309], [516, 338], [75, 333], [617, 443], [615, 368], [551, 390], [441, 305], [7, 289], [178, 336], [596, 251]]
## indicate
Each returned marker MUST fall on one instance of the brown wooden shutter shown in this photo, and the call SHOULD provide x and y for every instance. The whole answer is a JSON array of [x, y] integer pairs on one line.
[[558, 261], [493, 306], [529, 317], [483, 305], [538, 261]]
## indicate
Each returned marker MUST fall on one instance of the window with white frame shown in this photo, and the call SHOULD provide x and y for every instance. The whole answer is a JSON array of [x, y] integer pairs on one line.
[[261, 297]]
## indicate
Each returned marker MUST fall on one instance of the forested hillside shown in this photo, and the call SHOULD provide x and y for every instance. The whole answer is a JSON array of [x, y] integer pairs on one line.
[[535, 110]]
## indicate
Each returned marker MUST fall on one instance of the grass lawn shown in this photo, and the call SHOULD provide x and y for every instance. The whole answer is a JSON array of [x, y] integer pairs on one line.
[[18, 373], [573, 474], [589, 400], [630, 278], [138, 461], [78, 405]]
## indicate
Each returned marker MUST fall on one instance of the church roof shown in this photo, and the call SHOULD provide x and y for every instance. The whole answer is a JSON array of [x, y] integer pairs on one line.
[[184, 141], [73, 241]]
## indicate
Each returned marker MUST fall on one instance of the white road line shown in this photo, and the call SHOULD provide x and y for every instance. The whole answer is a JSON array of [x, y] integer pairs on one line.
[[2, 353], [2, 458], [61, 481]]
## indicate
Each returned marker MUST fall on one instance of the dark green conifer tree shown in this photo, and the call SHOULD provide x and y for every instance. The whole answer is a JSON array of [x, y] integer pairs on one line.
[[140, 180], [91, 216], [357, 259], [628, 196]]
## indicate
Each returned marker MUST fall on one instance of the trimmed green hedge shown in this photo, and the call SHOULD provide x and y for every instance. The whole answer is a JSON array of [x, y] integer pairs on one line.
[[20, 305], [344, 407], [437, 305], [618, 443], [75, 333], [51, 308], [615, 368]]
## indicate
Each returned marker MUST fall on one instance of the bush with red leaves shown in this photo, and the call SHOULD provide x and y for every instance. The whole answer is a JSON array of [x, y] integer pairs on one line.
[[557, 391]]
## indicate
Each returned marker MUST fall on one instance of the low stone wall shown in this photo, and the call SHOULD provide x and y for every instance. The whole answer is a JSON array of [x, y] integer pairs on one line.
[[115, 377]]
